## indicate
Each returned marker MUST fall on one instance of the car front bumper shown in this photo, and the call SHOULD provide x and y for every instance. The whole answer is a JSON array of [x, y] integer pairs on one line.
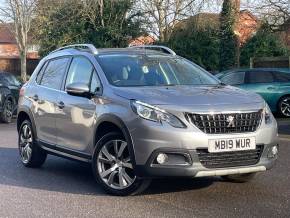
[[149, 139], [196, 169]]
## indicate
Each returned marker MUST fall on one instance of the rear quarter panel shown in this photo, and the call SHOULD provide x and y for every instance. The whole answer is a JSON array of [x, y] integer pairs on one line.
[[284, 89]]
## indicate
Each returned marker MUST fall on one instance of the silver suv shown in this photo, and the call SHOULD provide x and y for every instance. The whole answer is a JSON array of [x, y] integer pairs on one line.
[[139, 113]]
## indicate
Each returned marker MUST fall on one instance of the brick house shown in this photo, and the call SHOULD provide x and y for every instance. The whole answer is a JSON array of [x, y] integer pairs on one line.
[[142, 40], [246, 27], [9, 54]]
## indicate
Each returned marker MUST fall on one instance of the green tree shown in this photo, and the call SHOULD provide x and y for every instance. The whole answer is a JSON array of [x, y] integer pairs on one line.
[[229, 47], [70, 21], [201, 46], [263, 44]]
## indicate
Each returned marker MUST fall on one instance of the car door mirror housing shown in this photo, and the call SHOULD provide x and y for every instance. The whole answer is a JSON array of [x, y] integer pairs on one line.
[[78, 89]]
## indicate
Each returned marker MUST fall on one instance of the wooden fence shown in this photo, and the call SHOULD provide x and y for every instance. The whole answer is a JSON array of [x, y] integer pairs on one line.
[[270, 62]]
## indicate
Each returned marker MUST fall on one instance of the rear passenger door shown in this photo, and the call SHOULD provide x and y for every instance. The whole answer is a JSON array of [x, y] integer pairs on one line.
[[75, 120], [263, 83], [44, 98]]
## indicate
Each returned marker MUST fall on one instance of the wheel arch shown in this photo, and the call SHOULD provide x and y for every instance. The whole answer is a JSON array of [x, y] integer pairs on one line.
[[24, 114], [116, 124], [279, 100], [7, 94]]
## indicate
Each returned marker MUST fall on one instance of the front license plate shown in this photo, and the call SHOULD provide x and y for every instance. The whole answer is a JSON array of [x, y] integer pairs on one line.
[[234, 144]]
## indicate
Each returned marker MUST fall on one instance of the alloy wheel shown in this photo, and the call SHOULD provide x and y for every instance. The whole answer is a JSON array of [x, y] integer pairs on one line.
[[9, 109], [285, 106], [114, 165], [25, 143]]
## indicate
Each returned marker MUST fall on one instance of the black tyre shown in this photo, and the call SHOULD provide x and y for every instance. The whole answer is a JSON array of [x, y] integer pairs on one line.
[[113, 169], [284, 106], [7, 113], [30, 153], [240, 178]]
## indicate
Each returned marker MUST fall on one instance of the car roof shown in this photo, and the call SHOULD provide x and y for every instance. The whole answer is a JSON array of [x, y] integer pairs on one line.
[[108, 51]]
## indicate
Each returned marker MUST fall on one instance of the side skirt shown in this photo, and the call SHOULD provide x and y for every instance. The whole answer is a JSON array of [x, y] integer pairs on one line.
[[64, 152]]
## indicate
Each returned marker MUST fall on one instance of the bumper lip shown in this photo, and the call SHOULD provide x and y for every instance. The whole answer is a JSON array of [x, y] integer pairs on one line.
[[223, 172]]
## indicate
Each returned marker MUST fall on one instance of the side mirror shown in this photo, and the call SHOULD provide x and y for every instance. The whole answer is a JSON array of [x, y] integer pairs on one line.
[[78, 89]]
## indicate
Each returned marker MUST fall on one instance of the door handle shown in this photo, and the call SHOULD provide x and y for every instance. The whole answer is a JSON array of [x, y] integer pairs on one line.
[[271, 88], [60, 105], [35, 98]]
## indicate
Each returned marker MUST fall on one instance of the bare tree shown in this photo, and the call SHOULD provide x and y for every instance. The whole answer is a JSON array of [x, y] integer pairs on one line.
[[161, 16], [94, 9], [20, 14], [276, 12]]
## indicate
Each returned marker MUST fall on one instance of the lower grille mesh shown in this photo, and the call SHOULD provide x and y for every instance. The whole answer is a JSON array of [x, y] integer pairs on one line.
[[229, 159]]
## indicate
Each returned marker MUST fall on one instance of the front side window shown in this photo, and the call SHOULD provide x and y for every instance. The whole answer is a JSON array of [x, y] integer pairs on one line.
[[95, 84], [236, 78], [260, 77], [152, 70], [54, 73], [80, 71]]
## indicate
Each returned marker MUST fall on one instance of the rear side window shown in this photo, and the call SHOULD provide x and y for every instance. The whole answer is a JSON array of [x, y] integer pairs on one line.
[[281, 77], [260, 77], [54, 73], [236, 78], [40, 74]]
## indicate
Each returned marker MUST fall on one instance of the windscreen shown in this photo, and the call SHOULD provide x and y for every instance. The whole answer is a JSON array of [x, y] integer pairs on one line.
[[152, 70]]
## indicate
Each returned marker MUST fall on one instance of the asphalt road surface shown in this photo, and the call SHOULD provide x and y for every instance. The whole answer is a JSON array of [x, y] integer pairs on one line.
[[63, 188]]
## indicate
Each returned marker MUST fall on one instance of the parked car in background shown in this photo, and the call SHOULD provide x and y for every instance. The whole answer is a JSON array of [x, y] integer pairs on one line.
[[273, 84], [9, 93]]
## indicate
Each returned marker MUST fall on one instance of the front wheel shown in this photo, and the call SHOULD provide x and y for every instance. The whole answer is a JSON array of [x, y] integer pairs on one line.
[[113, 169], [241, 178]]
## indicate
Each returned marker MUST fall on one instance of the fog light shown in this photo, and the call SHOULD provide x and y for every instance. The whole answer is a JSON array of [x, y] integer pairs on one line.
[[273, 152], [161, 158]]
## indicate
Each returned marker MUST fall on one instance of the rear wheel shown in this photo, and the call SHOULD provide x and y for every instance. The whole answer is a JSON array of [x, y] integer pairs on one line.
[[240, 177], [6, 115], [31, 154], [113, 169], [284, 106]]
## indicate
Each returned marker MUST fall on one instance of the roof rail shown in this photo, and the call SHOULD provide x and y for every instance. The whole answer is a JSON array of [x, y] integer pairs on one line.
[[155, 47], [89, 47]]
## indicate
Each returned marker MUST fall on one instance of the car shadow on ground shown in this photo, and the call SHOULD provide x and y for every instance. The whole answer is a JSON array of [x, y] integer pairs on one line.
[[61, 175]]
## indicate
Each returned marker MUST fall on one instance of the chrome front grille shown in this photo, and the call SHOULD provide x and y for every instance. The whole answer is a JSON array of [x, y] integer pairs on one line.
[[226, 122], [229, 159]]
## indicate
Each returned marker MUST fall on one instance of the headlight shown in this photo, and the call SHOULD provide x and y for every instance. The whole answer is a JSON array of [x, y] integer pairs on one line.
[[267, 114], [156, 114]]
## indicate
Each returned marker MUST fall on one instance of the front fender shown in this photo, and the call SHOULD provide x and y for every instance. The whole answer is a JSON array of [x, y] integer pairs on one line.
[[121, 125]]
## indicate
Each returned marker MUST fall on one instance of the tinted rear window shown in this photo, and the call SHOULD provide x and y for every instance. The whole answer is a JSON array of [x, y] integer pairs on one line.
[[260, 77], [54, 73]]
